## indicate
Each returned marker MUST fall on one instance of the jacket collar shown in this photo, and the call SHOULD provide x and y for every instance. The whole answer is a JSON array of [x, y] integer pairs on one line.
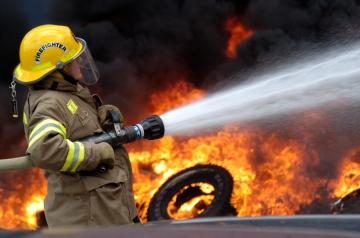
[[59, 84], [55, 83]]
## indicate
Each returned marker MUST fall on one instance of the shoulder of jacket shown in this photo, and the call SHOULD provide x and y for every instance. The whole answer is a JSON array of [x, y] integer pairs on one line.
[[53, 95], [48, 102], [48, 97]]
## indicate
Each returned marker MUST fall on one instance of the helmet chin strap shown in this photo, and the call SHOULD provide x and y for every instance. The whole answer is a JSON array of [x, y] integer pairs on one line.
[[68, 77]]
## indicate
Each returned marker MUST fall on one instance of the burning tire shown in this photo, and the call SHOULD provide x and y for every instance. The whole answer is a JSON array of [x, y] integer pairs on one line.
[[202, 190], [350, 204]]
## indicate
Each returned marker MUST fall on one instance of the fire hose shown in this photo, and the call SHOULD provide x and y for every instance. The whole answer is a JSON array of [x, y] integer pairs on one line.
[[150, 128]]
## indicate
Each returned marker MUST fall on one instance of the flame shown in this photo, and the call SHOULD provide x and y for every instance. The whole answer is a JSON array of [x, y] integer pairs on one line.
[[349, 179], [195, 206], [32, 208], [181, 93], [22, 199], [237, 34]]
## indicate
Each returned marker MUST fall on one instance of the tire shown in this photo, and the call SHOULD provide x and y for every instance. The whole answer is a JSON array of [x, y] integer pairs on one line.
[[215, 175], [349, 204]]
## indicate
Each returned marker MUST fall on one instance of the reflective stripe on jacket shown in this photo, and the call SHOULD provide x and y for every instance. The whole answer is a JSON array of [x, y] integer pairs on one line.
[[76, 150]]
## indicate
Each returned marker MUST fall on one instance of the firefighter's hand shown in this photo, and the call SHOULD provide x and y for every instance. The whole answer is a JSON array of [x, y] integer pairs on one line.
[[104, 117], [107, 155], [102, 154]]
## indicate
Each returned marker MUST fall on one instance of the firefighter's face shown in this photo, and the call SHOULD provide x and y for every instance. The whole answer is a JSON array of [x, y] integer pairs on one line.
[[73, 69]]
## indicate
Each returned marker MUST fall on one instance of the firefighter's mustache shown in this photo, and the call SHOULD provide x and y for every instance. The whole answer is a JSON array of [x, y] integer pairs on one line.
[[151, 128]]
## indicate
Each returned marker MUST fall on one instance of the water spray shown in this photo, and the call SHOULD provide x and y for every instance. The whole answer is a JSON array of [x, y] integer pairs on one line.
[[311, 82]]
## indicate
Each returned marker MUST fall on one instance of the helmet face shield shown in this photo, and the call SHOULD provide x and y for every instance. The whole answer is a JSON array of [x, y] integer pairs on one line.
[[86, 70]]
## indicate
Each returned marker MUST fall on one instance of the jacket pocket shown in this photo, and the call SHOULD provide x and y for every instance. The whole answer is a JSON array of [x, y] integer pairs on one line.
[[98, 179], [60, 183], [58, 206], [118, 207]]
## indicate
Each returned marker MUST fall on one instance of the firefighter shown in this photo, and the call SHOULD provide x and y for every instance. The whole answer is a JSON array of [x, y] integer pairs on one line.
[[59, 110]]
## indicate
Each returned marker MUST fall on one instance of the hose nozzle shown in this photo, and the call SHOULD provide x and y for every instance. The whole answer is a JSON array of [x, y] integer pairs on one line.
[[150, 128]]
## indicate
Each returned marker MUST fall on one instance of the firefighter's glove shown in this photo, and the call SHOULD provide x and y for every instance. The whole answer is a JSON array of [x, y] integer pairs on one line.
[[107, 155], [105, 119], [103, 154]]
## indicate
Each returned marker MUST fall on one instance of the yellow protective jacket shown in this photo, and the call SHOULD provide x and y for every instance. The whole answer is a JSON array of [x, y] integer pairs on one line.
[[56, 115]]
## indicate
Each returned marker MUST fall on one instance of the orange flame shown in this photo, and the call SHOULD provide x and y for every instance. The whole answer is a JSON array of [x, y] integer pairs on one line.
[[237, 34], [194, 206], [20, 205], [349, 179]]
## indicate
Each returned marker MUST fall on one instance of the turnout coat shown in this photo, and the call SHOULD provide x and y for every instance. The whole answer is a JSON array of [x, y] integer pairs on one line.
[[56, 115]]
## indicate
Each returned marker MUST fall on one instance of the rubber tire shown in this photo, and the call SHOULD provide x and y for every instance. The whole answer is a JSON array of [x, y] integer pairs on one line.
[[350, 204], [215, 175]]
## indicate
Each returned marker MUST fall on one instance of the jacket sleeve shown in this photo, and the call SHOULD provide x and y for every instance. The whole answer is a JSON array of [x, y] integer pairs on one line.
[[48, 145]]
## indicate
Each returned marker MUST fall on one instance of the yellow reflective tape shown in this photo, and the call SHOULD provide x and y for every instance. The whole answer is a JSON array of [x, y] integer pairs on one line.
[[42, 66], [69, 157], [72, 106], [25, 120], [80, 158], [43, 132], [48, 121], [44, 127]]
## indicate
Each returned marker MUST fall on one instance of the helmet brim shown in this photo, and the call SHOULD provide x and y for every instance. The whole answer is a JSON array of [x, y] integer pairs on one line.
[[26, 77]]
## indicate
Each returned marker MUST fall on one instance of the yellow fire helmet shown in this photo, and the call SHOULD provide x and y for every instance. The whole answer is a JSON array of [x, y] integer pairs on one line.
[[48, 48]]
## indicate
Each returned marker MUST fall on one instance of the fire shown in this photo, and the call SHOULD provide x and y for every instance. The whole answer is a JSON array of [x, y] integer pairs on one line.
[[349, 179], [194, 206], [22, 199], [181, 93], [32, 208], [237, 34]]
